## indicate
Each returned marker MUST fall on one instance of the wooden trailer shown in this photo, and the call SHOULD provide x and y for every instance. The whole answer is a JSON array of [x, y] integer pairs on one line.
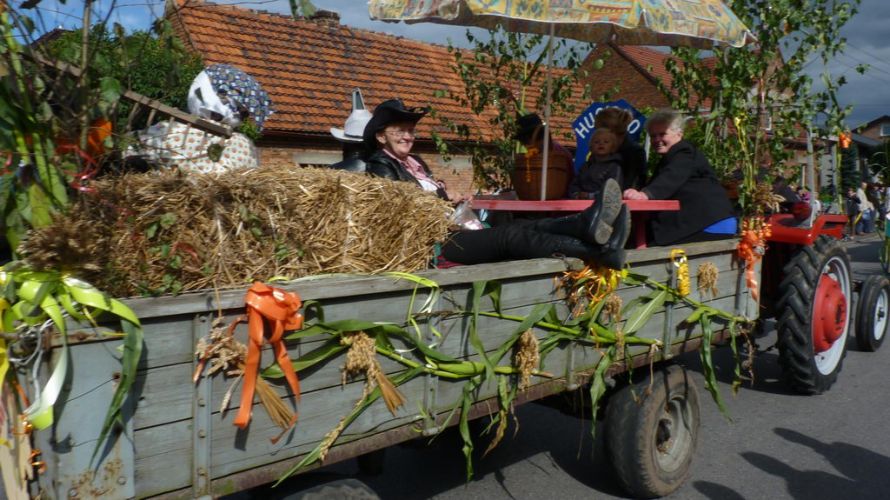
[[175, 443]]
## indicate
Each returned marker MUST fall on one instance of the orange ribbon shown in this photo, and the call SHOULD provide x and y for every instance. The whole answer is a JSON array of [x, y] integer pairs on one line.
[[747, 250], [281, 310]]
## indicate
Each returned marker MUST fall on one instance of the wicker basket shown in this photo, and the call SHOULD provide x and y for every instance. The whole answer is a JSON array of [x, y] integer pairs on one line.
[[526, 176]]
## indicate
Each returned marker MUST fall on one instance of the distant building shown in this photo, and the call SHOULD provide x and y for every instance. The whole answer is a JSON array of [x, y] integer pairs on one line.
[[877, 129]]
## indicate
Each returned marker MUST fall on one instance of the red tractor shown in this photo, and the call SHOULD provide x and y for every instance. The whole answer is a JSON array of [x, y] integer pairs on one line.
[[808, 288]]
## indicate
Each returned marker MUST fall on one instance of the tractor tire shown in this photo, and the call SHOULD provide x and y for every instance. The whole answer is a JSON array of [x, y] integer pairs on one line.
[[871, 314], [651, 435], [814, 315]]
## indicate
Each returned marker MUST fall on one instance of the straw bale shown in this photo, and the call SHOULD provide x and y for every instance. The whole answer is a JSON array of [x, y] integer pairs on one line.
[[167, 231]]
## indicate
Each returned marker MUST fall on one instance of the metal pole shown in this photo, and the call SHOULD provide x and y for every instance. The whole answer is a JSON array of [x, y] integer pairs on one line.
[[546, 157], [811, 178]]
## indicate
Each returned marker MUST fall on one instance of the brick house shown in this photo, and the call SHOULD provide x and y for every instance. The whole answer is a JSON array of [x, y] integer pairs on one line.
[[877, 129], [309, 68]]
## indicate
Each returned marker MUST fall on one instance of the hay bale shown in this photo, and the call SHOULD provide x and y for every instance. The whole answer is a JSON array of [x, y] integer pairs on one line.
[[167, 232]]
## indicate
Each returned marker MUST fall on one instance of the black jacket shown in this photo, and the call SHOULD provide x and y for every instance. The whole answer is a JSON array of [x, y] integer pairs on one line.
[[684, 174], [593, 175], [380, 164], [354, 164], [633, 164]]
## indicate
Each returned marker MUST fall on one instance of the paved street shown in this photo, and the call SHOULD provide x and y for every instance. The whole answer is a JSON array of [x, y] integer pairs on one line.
[[778, 445]]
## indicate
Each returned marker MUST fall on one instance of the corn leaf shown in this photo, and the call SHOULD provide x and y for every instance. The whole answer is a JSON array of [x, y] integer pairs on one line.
[[313, 456], [708, 364], [328, 350], [129, 363], [598, 385], [479, 289], [645, 312], [696, 314], [538, 313]]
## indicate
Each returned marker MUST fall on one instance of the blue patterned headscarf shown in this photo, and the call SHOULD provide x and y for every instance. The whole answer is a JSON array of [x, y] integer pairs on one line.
[[238, 90]]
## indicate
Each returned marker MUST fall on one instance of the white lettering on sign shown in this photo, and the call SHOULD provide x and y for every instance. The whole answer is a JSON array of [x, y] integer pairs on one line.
[[633, 127]]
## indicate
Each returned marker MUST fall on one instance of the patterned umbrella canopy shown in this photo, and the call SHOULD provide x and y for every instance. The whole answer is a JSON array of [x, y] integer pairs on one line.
[[695, 23]]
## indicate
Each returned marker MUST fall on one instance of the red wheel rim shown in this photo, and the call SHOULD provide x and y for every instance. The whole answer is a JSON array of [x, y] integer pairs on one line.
[[829, 313]]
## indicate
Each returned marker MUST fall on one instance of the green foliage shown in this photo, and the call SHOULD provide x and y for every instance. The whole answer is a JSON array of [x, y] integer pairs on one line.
[[154, 64], [302, 8], [45, 114], [849, 168], [497, 73], [879, 162], [751, 87]]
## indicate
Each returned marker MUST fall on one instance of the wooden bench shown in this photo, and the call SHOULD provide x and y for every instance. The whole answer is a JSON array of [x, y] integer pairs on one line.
[[639, 210]]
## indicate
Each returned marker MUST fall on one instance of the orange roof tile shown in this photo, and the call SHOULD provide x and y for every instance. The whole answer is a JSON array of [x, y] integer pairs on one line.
[[309, 67]]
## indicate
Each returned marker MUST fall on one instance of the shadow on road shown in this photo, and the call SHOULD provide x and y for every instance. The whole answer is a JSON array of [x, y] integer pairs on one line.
[[862, 473], [716, 491]]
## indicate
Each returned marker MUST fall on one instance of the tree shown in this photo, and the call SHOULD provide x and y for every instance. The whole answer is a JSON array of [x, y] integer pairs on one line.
[[849, 168], [762, 84], [152, 63], [497, 73], [46, 114]]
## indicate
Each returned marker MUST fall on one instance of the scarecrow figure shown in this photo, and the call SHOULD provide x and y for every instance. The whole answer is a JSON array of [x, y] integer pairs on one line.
[[220, 93], [351, 136]]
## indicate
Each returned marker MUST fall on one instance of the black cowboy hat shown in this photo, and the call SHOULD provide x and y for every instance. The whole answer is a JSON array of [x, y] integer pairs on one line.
[[391, 111]]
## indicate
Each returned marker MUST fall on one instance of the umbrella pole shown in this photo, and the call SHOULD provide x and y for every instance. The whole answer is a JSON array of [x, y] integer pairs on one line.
[[546, 148]]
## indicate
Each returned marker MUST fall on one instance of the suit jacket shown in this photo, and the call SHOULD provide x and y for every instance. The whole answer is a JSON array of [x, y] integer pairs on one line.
[[684, 174]]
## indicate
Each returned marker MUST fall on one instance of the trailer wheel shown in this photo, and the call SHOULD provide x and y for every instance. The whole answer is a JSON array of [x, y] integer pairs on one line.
[[651, 435], [871, 316], [814, 319]]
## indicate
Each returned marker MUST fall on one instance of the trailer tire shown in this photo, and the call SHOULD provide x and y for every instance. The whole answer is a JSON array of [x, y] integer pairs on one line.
[[814, 315], [345, 489], [651, 435], [871, 314]]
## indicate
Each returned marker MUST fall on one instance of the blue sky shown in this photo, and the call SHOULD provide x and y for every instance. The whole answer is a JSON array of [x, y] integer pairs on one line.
[[867, 37]]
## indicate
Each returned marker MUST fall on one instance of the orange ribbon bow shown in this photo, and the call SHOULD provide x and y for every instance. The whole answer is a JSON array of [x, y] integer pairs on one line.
[[281, 310]]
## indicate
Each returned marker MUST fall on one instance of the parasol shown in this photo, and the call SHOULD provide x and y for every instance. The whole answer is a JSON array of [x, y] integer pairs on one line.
[[690, 23]]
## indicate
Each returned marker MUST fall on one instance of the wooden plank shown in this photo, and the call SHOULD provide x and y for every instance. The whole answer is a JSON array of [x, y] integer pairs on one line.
[[339, 286], [234, 450]]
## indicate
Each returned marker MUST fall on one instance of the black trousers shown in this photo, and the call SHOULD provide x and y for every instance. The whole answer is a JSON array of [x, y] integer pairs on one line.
[[519, 240]]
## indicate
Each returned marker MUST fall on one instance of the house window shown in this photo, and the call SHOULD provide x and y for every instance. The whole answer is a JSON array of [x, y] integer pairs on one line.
[[885, 130]]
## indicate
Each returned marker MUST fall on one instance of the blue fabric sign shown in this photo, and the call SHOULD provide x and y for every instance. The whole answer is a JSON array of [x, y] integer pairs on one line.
[[583, 126]]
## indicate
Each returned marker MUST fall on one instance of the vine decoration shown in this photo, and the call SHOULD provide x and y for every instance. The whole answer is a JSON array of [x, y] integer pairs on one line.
[[36, 305], [612, 334]]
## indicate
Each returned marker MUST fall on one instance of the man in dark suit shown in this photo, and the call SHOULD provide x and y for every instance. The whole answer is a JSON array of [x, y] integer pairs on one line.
[[684, 174]]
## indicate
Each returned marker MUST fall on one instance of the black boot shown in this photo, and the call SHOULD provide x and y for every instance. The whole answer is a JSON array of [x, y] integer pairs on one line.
[[597, 221], [612, 254]]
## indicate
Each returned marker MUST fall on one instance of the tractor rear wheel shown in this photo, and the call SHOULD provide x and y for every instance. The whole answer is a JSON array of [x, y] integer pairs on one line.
[[814, 315]]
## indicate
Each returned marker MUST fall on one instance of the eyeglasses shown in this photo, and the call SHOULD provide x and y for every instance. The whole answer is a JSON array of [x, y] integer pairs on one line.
[[401, 133]]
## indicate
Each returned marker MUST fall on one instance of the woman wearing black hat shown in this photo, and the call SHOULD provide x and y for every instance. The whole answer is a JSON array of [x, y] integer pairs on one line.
[[598, 233]]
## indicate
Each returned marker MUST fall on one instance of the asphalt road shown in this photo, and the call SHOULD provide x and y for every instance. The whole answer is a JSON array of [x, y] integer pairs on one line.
[[778, 444]]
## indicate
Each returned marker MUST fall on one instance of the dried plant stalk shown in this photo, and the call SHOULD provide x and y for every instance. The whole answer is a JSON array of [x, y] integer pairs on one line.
[[612, 308], [361, 359], [526, 358], [707, 279]]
